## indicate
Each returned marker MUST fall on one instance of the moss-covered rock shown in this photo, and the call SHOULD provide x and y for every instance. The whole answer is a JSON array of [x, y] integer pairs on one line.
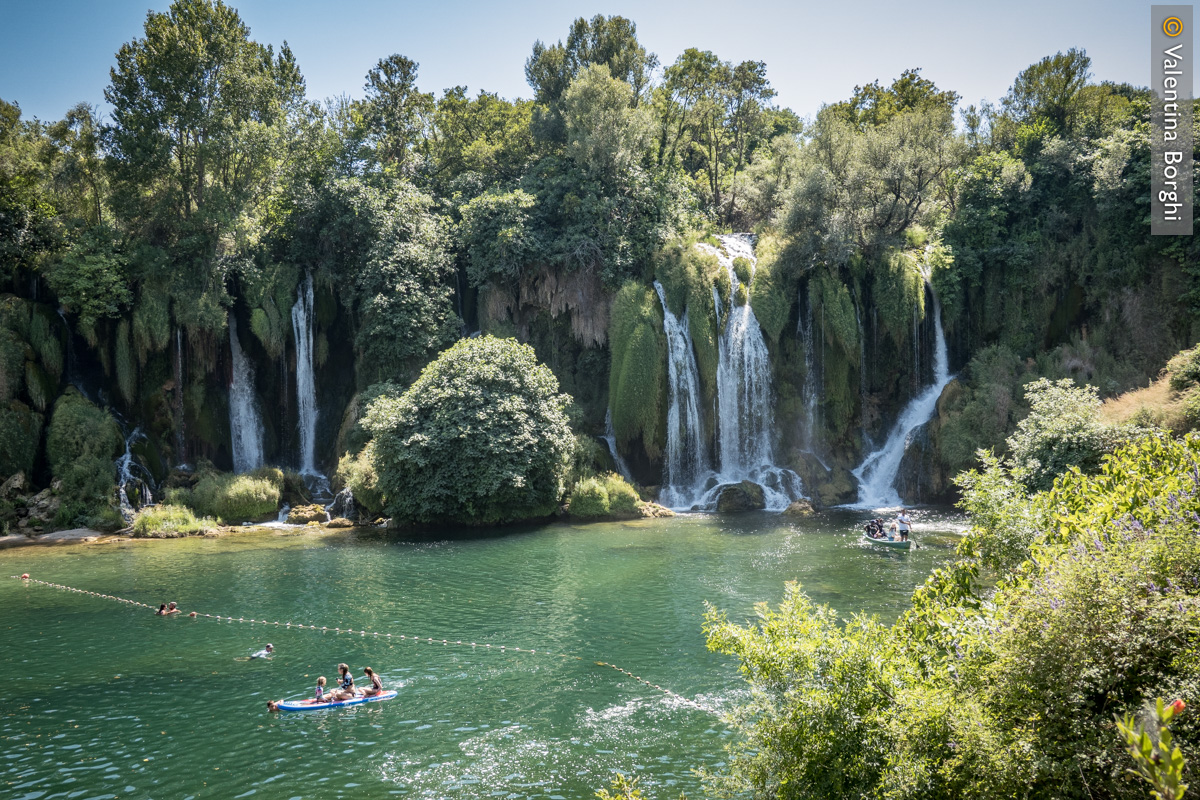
[[638, 371], [744, 496], [589, 499], [169, 522], [302, 515], [799, 508]]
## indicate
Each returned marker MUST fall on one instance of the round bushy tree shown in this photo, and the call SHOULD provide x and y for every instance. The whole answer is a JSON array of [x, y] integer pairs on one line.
[[480, 437]]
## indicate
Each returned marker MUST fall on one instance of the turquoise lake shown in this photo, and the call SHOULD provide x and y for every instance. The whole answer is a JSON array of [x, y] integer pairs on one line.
[[105, 700]]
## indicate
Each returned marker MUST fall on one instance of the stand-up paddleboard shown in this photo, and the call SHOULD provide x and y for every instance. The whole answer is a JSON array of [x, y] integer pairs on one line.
[[313, 705]]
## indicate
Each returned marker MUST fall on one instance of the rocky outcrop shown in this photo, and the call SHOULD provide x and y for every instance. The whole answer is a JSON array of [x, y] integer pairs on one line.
[[800, 508], [339, 522], [744, 496]]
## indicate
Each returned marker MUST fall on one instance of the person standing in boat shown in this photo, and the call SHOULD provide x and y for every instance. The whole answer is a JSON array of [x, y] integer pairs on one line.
[[904, 523]]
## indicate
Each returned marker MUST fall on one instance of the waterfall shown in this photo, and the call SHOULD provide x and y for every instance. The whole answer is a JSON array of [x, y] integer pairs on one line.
[[129, 483], [244, 423], [180, 433], [811, 391], [306, 386], [744, 393], [687, 462], [610, 438], [877, 474]]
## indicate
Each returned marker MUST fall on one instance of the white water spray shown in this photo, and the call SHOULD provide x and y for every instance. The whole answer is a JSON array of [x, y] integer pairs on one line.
[[877, 474], [744, 395], [245, 426], [687, 462], [610, 438]]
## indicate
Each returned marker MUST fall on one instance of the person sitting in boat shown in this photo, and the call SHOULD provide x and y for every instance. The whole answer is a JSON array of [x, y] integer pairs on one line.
[[345, 687], [264, 653], [904, 523], [892, 532], [376, 684], [875, 528]]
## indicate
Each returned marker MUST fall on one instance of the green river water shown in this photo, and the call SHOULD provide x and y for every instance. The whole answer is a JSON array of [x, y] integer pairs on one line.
[[106, 700]]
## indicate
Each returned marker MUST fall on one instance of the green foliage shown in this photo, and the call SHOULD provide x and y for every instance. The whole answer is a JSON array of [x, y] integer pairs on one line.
[[126, 363], [12, 364], [39, 386], [833, 310], [356, 472], [607, 132], [45, 341], [771, 295], [688, 274], [480, 437], [1159, 762], [91, 278], [638, 373], [497, 235], [151, 323], [81, 444], [1063, 429], [589, 498], [1003, 689], [169, 521], [622, 498], [986, 409], [235, 499], [381, 244], [20, 434], [622, 788], [743, 269], [1184, 369]]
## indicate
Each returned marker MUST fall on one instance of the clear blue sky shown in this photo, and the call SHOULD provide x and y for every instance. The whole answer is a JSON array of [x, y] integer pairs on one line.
[[55, 53]]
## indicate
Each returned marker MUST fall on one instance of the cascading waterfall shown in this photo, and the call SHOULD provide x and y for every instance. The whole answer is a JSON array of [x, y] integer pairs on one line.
[[877, 474], [687, 462], [744, 394], [306, 386], [610, 438], [244, 423], [129, 483]]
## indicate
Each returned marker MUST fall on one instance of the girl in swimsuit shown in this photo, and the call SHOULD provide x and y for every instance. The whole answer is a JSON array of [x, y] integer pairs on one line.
[[345, 689], [376, 684]]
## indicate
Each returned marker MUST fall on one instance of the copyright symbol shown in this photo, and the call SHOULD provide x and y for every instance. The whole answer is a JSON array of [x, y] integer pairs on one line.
[[1172, 26]]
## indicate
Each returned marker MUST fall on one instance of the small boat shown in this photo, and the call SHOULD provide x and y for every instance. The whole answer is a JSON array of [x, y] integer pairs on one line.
[[896, 543], [313, 705]]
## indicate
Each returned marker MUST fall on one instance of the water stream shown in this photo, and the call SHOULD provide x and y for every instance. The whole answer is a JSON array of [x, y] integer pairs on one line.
[[306, 385], [877, 474], [686, 465], [245, 425]]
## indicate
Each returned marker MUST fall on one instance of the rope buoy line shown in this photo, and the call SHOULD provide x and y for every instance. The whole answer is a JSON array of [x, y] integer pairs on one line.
[[403, 637]]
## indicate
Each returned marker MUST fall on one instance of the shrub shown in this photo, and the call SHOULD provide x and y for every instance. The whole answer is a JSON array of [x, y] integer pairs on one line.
[[169, 520], [622, 498], [481, 436], [589, 499], [741, 268], [1184, 369], [81, 445], [233, 499], [357, 473]]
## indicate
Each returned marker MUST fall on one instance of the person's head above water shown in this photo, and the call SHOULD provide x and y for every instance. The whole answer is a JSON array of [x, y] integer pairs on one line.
[[270, 646], [171, 604]]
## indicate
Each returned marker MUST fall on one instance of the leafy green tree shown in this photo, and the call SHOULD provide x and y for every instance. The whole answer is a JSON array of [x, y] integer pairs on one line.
[[550, 69], [480, 437], [395, 114], [29, 225], [605, 133], [498, 236], [1004, 689], [200, 120], [387, 253], [1049, 90], [485, 136]]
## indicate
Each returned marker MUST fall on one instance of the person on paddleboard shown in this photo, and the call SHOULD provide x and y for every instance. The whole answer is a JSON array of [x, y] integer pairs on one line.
[[266, 652], [376, 684], [319, 697], [345, 687]]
